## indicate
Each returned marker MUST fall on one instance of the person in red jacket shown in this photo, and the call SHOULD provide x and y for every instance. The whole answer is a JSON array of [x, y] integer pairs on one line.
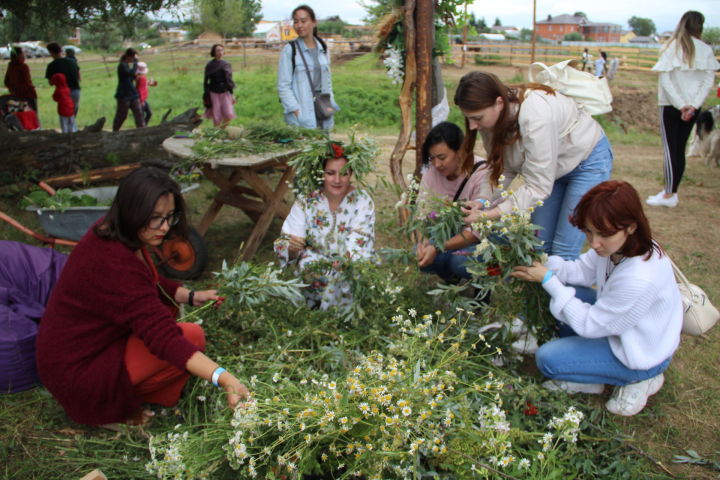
[[108, 341], [141, 84], [66, 106]]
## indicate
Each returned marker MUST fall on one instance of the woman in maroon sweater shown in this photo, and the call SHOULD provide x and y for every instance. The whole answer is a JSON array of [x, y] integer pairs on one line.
[[108, 341]]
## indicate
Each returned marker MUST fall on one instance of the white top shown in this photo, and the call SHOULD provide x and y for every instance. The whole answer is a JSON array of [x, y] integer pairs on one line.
[[544, 152], [347, 233], [638, 307], [681, 84]]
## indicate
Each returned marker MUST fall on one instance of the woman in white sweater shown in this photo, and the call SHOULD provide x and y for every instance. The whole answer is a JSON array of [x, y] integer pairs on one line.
[[542, 135], [628, 334], [687, 68]]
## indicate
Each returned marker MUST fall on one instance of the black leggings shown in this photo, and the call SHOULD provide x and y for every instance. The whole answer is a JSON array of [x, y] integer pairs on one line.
[[675, 133]]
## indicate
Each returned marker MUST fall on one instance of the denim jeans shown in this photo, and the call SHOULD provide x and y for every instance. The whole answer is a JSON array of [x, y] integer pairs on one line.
[[560, 237], [450, 265], [587, 360]]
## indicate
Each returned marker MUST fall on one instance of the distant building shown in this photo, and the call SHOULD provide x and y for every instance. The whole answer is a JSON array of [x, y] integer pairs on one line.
[[645, 39], [627, 36], [173, 34], [555, 28], [508, 31], [495, 37]]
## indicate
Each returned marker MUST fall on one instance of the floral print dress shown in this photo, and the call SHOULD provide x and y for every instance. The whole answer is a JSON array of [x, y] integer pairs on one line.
[[331, 238]]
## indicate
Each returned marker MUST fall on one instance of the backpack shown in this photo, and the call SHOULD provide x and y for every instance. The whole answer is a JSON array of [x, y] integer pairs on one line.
[[292, 45], [592, 94]]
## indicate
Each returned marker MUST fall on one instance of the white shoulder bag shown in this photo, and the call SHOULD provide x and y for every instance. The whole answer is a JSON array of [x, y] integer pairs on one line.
[[699, 315], [592, 94]]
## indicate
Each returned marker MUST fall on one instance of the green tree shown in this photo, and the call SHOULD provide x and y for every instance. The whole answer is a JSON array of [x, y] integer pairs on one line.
[[711, 35], [229, 17], [641, 26], [580, 14], [331, 25], [30, 14], [573, 37], [497, 22]]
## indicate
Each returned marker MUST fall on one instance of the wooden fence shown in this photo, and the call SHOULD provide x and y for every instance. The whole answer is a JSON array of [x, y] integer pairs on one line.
[[520, 54]]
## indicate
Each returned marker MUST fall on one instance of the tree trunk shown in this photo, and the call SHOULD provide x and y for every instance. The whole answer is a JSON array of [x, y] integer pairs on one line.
[[424, 82], [46, 153], [406, 97]]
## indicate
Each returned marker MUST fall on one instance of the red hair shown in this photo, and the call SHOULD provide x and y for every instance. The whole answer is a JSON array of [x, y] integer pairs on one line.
[[612, 206]]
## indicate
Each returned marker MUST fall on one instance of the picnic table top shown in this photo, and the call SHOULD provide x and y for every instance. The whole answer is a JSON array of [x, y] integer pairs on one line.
[[182, 147]]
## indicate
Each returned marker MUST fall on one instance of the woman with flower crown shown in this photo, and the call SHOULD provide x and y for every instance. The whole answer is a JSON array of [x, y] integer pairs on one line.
[[329, 225]]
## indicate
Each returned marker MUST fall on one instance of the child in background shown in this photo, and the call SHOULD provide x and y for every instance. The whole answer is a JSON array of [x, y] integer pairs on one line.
[[600, 66], [141, 84], [66, 106]]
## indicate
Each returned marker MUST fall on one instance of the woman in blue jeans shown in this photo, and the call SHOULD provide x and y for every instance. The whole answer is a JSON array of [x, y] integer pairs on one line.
[[532, 131], [627, 334]]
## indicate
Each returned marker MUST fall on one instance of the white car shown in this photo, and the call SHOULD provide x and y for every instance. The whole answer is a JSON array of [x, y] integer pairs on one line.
[[78, 50], [4, 53]]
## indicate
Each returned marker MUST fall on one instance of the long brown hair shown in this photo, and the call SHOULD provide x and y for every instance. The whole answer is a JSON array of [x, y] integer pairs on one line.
[[689, 26], [479, 90], [612, 206]]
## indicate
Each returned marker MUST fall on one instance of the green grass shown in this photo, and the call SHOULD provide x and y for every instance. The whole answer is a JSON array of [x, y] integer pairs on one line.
[[38, 441]]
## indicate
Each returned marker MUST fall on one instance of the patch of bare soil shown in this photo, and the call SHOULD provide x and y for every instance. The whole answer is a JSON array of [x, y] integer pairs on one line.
[[636, 108]]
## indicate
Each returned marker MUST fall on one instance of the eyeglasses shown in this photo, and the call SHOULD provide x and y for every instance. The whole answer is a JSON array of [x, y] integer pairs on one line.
[[157, 222]]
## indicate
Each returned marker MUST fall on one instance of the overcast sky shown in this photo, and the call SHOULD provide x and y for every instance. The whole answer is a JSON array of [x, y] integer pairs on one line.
[[665, 13]]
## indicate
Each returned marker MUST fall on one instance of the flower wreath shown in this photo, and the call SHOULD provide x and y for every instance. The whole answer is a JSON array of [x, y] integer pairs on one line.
[[308, 164]]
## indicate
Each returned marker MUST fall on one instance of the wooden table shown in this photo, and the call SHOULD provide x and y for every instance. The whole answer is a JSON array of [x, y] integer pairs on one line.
[[258, 198]]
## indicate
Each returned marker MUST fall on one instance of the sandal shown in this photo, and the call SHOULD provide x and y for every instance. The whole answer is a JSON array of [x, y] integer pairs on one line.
[[140, 419]]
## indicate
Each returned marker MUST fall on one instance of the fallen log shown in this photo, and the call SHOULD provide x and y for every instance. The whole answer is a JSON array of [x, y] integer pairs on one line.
[[46, 153]]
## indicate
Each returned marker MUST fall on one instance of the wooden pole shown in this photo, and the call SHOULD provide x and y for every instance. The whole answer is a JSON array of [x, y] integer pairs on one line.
[[423, 93], [532, 55], [464, 37]]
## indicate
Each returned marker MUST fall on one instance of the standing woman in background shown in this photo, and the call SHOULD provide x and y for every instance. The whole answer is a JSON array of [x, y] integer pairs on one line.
[[304, 72], [126, 94], [218, 88], [687, 69]]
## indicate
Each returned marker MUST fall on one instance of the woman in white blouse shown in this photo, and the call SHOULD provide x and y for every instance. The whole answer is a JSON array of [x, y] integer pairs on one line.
[[625, 336], [687, 69], [533, 131], [326, 228]]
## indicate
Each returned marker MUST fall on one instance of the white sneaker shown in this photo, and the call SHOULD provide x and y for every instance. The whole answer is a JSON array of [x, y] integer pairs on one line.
[[518, 327], [573, 387], [526, 344], [661, 201], [631, 399], [657, 195]]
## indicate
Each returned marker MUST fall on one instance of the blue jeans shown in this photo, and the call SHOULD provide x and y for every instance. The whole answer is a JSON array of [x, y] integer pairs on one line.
[[560, 237], [450, 265], [587, 360]]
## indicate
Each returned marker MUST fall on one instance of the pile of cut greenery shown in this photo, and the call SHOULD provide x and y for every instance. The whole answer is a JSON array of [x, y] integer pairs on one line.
[[63, 199]]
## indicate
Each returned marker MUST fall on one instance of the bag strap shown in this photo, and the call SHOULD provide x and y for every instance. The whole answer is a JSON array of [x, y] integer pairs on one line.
[[679, 275], [307, 70], [465, 180], [531, 77]]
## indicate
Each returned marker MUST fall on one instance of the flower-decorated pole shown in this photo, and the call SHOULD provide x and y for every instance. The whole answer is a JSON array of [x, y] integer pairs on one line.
[[405, 98]]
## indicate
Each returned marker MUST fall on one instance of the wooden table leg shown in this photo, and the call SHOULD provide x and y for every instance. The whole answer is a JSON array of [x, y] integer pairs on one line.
[[225, 185], [263, 223]]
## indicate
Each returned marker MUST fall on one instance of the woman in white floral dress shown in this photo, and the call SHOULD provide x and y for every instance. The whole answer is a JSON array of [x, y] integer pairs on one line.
[[324, 230]]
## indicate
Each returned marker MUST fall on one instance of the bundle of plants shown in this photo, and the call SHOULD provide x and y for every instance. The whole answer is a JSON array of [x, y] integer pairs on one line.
[[430, 217], [506, 243], [212, 143], [63, 199], [411, 410]]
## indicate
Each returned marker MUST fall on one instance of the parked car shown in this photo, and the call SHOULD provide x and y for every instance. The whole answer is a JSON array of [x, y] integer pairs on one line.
[[77, 49], [4, 53], [33, 50]]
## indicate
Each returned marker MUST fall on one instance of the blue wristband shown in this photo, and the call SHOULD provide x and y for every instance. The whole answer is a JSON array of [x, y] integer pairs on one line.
[[548, 276], [216, 375]]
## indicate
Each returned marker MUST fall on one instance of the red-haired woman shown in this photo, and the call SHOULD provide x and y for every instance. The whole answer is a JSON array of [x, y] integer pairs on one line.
[[626, 336], [533, 131]]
